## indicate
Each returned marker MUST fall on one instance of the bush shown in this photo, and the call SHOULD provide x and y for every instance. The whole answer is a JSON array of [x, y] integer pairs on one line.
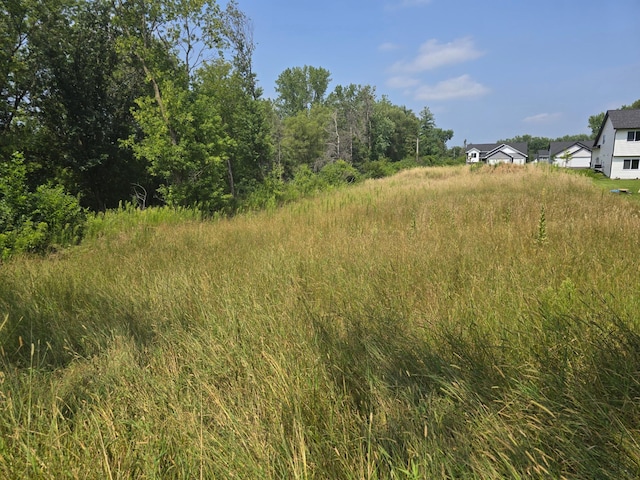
[[339, 173], [35, 221], [269, 194], [378, 169], [305, 182]]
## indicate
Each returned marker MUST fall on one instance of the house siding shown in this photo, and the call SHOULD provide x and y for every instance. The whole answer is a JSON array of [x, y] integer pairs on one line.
[[470, 158], [625, 148], [617, 170], [501, 157], [604, 154], [615, 150], [579, 158]]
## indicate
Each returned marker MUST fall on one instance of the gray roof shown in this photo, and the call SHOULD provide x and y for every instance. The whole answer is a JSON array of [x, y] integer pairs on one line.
[[557, 147], [487, 147], [483, 147], [625, 118]]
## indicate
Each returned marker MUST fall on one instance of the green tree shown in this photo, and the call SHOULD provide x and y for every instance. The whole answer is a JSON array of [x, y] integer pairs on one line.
[[394, 131], [19, 20], [86, 108], [351, 119], [304, 139], [66, 97], [179, 45], [432, 140], [244, 113], [185, 145], [301, 87], [595, 122], [244, 118]]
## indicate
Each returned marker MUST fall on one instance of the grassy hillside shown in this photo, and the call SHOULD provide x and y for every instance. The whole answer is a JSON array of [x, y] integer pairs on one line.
[[441, 323]]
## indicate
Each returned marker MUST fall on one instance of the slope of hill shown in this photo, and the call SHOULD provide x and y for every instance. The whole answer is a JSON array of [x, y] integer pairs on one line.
[[441, 323]]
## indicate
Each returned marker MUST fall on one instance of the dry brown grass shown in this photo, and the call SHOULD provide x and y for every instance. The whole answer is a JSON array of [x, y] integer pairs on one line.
[[413, 327]]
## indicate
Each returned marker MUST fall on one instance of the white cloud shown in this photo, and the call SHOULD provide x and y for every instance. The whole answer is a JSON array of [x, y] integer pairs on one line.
[[459, 87], [542, 118], [388, 47], [402, 82], [433, 54]]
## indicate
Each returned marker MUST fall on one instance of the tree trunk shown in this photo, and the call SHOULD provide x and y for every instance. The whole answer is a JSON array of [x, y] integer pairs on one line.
[[232, 186]]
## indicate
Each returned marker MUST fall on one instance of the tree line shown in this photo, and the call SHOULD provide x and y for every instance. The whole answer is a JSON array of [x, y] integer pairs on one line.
[[156, 102], [102, 95]]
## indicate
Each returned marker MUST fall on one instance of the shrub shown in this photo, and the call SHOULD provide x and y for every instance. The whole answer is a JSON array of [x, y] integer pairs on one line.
[[268, 194], [378, 169], [33, 221], [305, 182], [339, 173]]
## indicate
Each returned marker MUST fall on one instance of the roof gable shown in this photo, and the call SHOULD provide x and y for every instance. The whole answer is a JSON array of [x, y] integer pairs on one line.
[[488, 149], [558, 147], [625, 118], [481, 147], [620, 119]]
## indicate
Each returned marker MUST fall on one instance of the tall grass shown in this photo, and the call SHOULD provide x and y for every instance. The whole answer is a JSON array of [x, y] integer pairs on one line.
[[412, 327]]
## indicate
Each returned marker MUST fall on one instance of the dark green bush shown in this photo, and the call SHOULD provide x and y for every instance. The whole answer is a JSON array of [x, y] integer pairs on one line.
[[305, 182], [33, 221], [339, 173], [378, 169]]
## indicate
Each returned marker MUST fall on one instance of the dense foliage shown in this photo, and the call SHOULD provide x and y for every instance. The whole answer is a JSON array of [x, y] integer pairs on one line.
[[156, 102], [34, 220]]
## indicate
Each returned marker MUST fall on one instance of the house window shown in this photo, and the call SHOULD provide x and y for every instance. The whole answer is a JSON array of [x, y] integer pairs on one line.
[[631, 164], [474, 155], [633, 136]]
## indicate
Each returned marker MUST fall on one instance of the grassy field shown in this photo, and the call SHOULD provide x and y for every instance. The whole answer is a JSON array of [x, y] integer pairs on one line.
[[441, 323], [608, 184]]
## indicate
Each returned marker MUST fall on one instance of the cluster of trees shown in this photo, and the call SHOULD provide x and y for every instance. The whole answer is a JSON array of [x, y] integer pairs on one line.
[[104, 95], [350, 123], [105, 101]]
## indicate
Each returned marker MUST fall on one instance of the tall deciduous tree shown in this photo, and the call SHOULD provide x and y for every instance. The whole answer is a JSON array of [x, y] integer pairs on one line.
[[86, 108], [245, 114], [301, 87], [305, 139], [185, 139], [352, 111], [431, 139], [16, 76], [394, 130], [61, 104]]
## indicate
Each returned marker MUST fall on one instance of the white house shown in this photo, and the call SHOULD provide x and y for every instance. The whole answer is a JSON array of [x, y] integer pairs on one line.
[[616, 151], [494, 153], [571, 154]]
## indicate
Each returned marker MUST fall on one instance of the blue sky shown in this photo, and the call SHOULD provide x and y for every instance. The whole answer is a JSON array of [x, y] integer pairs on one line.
[[488, 70]]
